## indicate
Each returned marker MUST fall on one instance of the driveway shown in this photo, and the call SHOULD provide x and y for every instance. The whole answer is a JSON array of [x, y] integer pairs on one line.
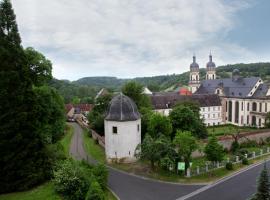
[[129, 187]]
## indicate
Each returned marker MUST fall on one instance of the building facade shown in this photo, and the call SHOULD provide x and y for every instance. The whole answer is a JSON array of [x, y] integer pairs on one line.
[[122, 126]]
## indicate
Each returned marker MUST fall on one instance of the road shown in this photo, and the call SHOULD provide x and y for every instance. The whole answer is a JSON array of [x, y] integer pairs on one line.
[[239, 187], [129, 187]]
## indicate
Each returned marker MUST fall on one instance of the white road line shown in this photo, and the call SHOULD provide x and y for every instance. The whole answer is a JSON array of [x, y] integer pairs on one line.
[[196, 192]]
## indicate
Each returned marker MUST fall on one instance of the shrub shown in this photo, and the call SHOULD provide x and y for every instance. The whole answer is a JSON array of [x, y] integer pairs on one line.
[[229, 166], [245, 161], [101, 175], [95, 192], [248, 144], [267, 140], [70, 182], [242, 152], [235, 146]]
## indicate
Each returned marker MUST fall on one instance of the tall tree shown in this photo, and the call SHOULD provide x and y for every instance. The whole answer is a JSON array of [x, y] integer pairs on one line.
[[185, 144], [159, 125], [134, 90], [185, 119], [263, 192], [213, 150], [24, 156]]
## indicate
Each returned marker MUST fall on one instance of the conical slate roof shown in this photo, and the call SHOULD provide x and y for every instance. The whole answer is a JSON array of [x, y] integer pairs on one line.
[[122, 108]]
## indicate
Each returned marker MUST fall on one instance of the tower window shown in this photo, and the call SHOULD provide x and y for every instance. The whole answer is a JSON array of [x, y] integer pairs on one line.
[[114, 130], [138, 127]]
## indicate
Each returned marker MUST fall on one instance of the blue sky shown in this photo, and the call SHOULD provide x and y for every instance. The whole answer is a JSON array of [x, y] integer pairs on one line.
[[135, 38]]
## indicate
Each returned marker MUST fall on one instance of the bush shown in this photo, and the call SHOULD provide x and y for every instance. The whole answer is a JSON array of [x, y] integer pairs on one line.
[[70, 182], [95, 192], [235, 146], [101, 175], [248, 144], [229, 166], [245, 161], [242, 152]]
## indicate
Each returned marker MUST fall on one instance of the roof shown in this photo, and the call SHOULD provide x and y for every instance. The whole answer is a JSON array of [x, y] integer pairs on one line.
[[169, 101], [68, 107], [231, 87], [84, 107], [122, 108]]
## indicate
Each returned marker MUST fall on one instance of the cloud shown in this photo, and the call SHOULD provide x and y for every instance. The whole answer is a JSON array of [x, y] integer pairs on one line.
[[128, 38]]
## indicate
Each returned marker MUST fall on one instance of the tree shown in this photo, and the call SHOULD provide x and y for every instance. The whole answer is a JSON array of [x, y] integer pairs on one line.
[[185, 144], [153, 149], [39, 65], [8, 24], [263, 192], [184, 119], [24, 147], [267, 120], [159, 125], [146, 114], [213, 150], [134, 90]]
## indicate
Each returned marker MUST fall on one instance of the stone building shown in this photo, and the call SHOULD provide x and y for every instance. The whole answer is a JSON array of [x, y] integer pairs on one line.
[[122, 130]]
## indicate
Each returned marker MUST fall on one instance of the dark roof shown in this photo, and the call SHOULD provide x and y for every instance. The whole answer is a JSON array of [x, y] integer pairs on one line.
[[231, 87], [122, 108], [168, 101], [194, 65], [261, 91], [210, 64]]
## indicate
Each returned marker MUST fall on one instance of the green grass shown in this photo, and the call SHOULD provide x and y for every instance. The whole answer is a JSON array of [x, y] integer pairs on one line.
[[93, 149], [66, 140], [43, 192], [228, 129]]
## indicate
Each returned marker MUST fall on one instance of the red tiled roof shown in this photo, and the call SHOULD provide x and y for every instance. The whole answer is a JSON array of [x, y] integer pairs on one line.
[[84, 107], [68, 107]]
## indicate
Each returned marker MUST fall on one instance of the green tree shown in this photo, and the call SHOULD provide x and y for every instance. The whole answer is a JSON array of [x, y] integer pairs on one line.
[[134, 90], [267, 120], [39, 65], [263, 192], [153, 149], [213, 150], [76, 100], [185, 144], [184, 119], [146, 114], [159, 125]]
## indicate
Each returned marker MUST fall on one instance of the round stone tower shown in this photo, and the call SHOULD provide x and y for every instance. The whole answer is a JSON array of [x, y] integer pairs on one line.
[[122, 130]]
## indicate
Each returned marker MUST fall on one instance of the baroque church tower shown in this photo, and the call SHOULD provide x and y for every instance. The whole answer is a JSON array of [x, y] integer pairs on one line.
[[194, 80], [210, 69]]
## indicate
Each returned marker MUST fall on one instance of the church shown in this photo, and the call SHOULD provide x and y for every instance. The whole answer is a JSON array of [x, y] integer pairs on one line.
[[244, 101]]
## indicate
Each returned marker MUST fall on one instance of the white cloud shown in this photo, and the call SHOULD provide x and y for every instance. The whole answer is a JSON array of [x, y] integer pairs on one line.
[[128, 38]]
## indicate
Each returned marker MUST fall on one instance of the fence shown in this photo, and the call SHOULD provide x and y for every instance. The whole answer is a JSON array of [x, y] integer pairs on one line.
[[210, 166]]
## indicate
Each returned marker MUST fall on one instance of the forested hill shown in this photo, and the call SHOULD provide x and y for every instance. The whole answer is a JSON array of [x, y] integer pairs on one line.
[[88, 86]]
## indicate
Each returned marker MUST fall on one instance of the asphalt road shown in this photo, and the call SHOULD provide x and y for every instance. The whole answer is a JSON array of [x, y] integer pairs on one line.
[[129, 187], [239, 187]]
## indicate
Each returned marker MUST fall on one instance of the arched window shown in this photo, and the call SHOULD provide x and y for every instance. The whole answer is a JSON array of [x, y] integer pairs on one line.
[[213, 76], [253, 123], [230, 111], [254, 106], [236, 112]]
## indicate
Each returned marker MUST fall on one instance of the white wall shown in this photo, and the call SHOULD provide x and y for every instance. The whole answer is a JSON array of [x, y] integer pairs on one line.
[[211, 115], [122, 146]]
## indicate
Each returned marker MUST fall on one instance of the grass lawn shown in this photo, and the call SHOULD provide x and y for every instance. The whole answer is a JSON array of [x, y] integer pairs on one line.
[[42, 192], [227, 129], [66, 140], [93, 149]]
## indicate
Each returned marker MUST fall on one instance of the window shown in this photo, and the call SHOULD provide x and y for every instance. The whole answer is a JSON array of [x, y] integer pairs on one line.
[[214, 116], [265, 107], [208, 115], [242, 106], [203, 109], [208, 108], [138, 127], [260, 107], [219, 107], [247, 119], [260, 121], [214, 124], [218, 92], [247, 106], [114, 130], [218, 114], [254, 106]]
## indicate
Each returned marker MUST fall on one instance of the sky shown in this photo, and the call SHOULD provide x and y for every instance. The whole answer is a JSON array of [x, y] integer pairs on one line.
[[137, 38]]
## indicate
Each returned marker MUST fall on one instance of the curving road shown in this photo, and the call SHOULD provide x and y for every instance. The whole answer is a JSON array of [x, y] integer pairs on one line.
[[129, 187]]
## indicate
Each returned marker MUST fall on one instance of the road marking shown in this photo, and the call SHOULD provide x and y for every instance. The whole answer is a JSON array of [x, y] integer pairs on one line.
[[196, 192]]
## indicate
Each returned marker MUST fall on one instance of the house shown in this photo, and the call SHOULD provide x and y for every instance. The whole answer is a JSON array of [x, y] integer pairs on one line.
[[245, 101], [210, 105]]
